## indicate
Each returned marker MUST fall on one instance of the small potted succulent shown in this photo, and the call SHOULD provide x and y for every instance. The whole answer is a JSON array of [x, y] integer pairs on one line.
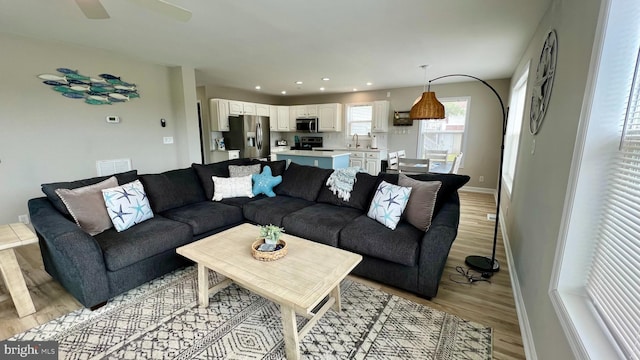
[[269, 246], [271, 234]]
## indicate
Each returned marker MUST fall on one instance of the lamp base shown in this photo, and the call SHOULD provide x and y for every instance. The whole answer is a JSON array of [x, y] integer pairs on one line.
[[482, 263]]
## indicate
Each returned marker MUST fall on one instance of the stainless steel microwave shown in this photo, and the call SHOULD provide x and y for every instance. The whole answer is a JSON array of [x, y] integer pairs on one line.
[[307, 124]]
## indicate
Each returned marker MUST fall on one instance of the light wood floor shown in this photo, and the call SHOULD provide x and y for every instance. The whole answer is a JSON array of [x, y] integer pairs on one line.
[[491, 304]]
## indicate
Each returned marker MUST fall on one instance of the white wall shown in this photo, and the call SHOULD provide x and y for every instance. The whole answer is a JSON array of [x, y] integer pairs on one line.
[[535, 211], [45, 137]]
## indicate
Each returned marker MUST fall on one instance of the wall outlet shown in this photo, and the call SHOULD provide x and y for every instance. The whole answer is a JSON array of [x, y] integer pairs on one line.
[[23, 218], [481, 178], [167, 140], [491, 217]]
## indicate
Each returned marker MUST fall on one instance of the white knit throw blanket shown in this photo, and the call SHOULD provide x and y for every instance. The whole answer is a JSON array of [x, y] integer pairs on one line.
[[342, 180]]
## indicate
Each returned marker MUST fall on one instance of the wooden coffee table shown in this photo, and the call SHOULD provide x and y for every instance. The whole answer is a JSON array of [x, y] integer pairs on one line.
[[299, 282]]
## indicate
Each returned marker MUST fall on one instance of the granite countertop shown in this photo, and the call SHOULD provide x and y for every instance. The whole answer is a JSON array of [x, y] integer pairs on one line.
[[314, 153]]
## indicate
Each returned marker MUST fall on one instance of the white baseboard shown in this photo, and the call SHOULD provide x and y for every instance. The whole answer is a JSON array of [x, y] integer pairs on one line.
[[478, 190], [523, 319]]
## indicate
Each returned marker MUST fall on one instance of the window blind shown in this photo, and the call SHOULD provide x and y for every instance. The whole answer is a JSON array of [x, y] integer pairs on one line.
[[613, 282]]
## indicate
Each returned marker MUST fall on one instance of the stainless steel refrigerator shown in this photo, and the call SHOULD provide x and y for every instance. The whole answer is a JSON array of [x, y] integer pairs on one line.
[[250, 135]]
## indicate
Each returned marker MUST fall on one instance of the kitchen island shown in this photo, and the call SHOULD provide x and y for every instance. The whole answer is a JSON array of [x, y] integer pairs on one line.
[[323, 159]]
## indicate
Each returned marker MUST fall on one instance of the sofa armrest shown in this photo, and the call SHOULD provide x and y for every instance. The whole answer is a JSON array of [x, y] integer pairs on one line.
[[436, 244], [70, 255]]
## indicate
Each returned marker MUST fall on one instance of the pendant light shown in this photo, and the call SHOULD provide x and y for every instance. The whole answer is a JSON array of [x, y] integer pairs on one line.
[[428, 107]]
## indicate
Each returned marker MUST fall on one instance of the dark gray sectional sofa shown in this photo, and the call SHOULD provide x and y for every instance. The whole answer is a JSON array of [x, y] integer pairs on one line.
[[96, 268]]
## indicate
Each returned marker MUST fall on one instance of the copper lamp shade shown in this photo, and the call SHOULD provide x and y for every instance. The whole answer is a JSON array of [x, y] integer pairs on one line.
[[427, 108]]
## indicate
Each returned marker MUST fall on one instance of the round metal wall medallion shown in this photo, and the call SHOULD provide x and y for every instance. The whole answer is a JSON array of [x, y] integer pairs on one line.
[[544, 82]]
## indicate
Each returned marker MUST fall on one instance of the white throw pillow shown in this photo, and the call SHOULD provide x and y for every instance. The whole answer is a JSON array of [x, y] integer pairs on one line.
[[127, 205], [231, 187], [388, 204]]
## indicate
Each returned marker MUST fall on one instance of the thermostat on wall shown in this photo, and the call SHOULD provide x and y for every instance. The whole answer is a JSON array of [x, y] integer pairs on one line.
[[113, 119]]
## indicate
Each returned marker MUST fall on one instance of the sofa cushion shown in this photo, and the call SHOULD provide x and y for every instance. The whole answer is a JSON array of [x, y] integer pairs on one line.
[[303, 181], [50, 188], [172, 189], [86, 206], [240, 201], [368, 237], [360, 195], [220, 169], [140, 242], [450, 184], [277, 167], [127, 205], [419, 210], [272, 210], [320, 222], [206, 216]]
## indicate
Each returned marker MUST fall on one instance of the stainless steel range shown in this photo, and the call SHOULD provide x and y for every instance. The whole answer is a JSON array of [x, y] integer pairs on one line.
[[308, 143]]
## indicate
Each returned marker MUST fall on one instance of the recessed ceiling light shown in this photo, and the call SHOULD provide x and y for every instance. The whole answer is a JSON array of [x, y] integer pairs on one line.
[[325, 79], [321, 89], [283, 92], [258, 87], [298, 82], [369, 83], [354, 89]]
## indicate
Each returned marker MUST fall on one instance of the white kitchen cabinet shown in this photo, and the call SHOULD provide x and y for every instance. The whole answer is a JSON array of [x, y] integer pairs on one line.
[[273, 118], [329, 117], [222, 155], [298, 111], [219, 114], [372, 162], [242, 108], [262, 110], [283, 119], [279, 118], [356, 159], [368, 160], [380, 121]]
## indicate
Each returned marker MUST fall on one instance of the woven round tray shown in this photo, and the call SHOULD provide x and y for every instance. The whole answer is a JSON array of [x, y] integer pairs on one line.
[[268, 255]]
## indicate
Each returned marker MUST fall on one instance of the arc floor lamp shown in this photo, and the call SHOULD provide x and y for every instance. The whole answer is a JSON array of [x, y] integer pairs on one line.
[[430, 108]]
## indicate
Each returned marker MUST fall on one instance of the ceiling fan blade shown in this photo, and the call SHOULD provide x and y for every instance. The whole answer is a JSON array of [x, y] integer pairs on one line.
[[165, 8], [92, 9]]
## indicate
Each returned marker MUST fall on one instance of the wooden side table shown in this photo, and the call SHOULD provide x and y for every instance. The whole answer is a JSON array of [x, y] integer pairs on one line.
[[12, 236]]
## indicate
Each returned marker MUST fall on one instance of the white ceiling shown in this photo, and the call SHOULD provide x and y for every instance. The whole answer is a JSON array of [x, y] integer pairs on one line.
[[273, 43]]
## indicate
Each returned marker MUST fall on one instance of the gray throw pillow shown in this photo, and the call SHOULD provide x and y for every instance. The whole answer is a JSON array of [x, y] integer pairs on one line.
[[422, 202], [86, 205], [240, 171]]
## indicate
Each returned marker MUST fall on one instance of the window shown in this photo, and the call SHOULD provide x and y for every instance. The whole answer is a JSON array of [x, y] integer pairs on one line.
[[448, 133], [359, 118], [595, 284], [514, 125]]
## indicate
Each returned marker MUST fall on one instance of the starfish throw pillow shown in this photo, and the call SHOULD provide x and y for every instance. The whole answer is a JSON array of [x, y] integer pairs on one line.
[[264, 182], [127, 205], [388, 204]]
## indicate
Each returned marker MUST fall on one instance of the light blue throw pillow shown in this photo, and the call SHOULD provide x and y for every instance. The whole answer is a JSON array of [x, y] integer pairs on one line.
[[388, 204], [264, 182], [127, 205]]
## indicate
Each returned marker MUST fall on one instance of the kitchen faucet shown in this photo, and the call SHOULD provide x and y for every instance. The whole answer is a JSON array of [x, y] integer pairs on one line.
[[355, 136]]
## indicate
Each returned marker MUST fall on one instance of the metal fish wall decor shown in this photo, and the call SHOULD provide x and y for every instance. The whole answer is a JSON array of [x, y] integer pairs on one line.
[[105, 89]]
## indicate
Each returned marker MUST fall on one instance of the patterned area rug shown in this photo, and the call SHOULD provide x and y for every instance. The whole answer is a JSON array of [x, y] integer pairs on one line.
[[161, 320]]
